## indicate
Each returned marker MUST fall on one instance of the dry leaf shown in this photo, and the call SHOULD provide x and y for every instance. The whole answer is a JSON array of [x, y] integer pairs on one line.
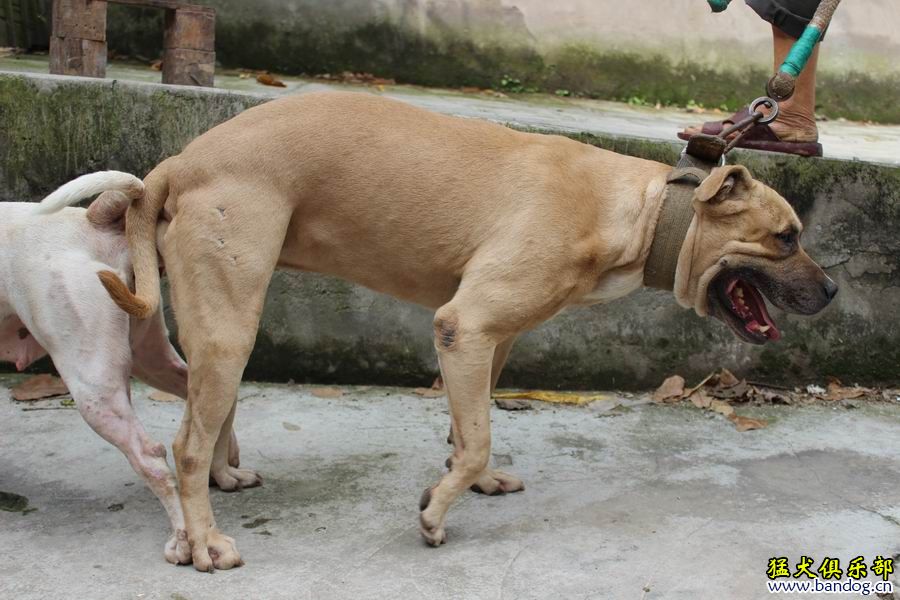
[[727, 378], [723, 408], [690, 392], [741, 390], [774, 397], [837, 391], [156, 65], [746, 423], [512, 404], [428, 392], [701, 399], [671, 389], [38, 387], [290, 426], [161, 396], [552, 397], [267, 79], [326, 392]]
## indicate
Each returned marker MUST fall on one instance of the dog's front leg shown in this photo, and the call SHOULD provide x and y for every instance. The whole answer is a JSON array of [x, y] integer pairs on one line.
[[491, 482], [464, 354]]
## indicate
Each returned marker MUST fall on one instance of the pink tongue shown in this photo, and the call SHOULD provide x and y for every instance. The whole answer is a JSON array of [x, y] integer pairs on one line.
[[759, 308], [755, 305]]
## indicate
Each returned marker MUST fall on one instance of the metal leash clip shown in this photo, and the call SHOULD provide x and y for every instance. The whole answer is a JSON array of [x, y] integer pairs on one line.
[[713, 148]]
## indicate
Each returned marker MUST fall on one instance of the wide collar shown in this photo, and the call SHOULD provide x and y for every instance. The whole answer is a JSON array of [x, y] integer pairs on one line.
[[674, 221]]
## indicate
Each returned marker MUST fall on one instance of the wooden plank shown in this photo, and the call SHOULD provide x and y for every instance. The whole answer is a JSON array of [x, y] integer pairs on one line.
[[74, 56], [190, 30], [188, 67], [167, 4], [84, 19]]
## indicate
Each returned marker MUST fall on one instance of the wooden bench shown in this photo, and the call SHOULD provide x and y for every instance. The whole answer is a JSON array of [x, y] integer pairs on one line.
[[78, 39]]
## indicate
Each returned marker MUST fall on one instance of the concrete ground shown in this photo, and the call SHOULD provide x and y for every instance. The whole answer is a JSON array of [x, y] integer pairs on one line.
[[840, 139], [637, 501]]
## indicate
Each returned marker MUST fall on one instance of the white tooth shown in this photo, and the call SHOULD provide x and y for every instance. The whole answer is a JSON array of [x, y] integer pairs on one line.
[[739, 292], [764, 328]]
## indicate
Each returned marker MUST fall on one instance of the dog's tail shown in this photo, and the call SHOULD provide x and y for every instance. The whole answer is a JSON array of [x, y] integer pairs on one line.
[[89, 185], [140, 227]]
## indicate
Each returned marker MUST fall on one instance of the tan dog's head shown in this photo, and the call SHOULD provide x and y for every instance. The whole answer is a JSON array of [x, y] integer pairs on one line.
[[745, 243]]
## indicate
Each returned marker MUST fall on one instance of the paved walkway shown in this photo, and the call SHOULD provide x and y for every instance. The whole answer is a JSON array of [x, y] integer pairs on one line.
[[636, 502], [841, 139]]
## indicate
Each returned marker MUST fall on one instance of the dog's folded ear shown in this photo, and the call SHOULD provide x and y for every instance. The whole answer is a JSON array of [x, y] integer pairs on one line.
[[722, 183]]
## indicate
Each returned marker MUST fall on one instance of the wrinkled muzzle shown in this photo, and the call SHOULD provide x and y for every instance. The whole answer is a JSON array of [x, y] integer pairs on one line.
[[737, 295]]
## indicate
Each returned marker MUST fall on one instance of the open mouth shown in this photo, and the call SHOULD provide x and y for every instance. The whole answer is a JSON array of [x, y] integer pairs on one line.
[[742, 307]]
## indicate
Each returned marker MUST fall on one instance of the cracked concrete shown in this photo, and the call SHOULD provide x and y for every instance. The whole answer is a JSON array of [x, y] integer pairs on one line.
[[664, 498]]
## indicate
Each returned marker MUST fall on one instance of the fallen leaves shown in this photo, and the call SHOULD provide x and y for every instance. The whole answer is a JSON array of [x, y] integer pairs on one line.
[[270, 80], [671, 390], [746, 423], [719, 390], [38, 388], [573, 398], [713, 394], [357, 78], [327, 392], [837, 391]]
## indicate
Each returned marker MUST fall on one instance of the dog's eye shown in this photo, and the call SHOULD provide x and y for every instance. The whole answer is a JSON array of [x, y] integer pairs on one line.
[[788, 238]]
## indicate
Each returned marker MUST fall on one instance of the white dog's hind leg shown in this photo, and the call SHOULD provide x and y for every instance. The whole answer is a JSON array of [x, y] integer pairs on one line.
[[104, 400], [86, 334]]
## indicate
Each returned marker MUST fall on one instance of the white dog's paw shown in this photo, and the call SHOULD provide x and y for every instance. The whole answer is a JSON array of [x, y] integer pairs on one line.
[[178, 550]]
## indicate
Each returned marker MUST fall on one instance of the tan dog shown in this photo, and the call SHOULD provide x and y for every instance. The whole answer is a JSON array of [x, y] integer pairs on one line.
[[495, 229]]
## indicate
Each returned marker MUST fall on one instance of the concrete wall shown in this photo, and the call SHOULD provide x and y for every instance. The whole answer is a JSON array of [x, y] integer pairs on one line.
[[657, 51], [320, 329]]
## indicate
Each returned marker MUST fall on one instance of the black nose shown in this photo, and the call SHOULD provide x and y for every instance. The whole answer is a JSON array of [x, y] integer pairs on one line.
[[831, 288]]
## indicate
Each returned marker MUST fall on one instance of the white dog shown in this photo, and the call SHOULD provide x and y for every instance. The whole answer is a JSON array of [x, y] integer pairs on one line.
[[51, 302]]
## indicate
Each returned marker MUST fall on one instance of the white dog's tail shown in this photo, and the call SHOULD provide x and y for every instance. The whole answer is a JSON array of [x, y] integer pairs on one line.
[[89, 185]]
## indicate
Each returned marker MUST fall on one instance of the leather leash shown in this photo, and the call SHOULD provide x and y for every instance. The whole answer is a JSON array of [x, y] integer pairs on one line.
[[702, 154]]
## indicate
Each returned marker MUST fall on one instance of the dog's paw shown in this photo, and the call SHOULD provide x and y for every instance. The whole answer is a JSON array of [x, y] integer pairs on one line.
[[219, 552], [497, 483], [178, 550], [231, 479], [431, 526]]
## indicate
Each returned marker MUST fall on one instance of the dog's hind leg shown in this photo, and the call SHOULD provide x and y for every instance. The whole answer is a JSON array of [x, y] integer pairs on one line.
[[491, 482], [219, 264], [157, 363], [107, 409], [86, 334]]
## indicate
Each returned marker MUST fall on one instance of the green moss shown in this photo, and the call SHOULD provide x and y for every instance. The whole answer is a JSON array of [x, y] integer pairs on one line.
[[53, 134]]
